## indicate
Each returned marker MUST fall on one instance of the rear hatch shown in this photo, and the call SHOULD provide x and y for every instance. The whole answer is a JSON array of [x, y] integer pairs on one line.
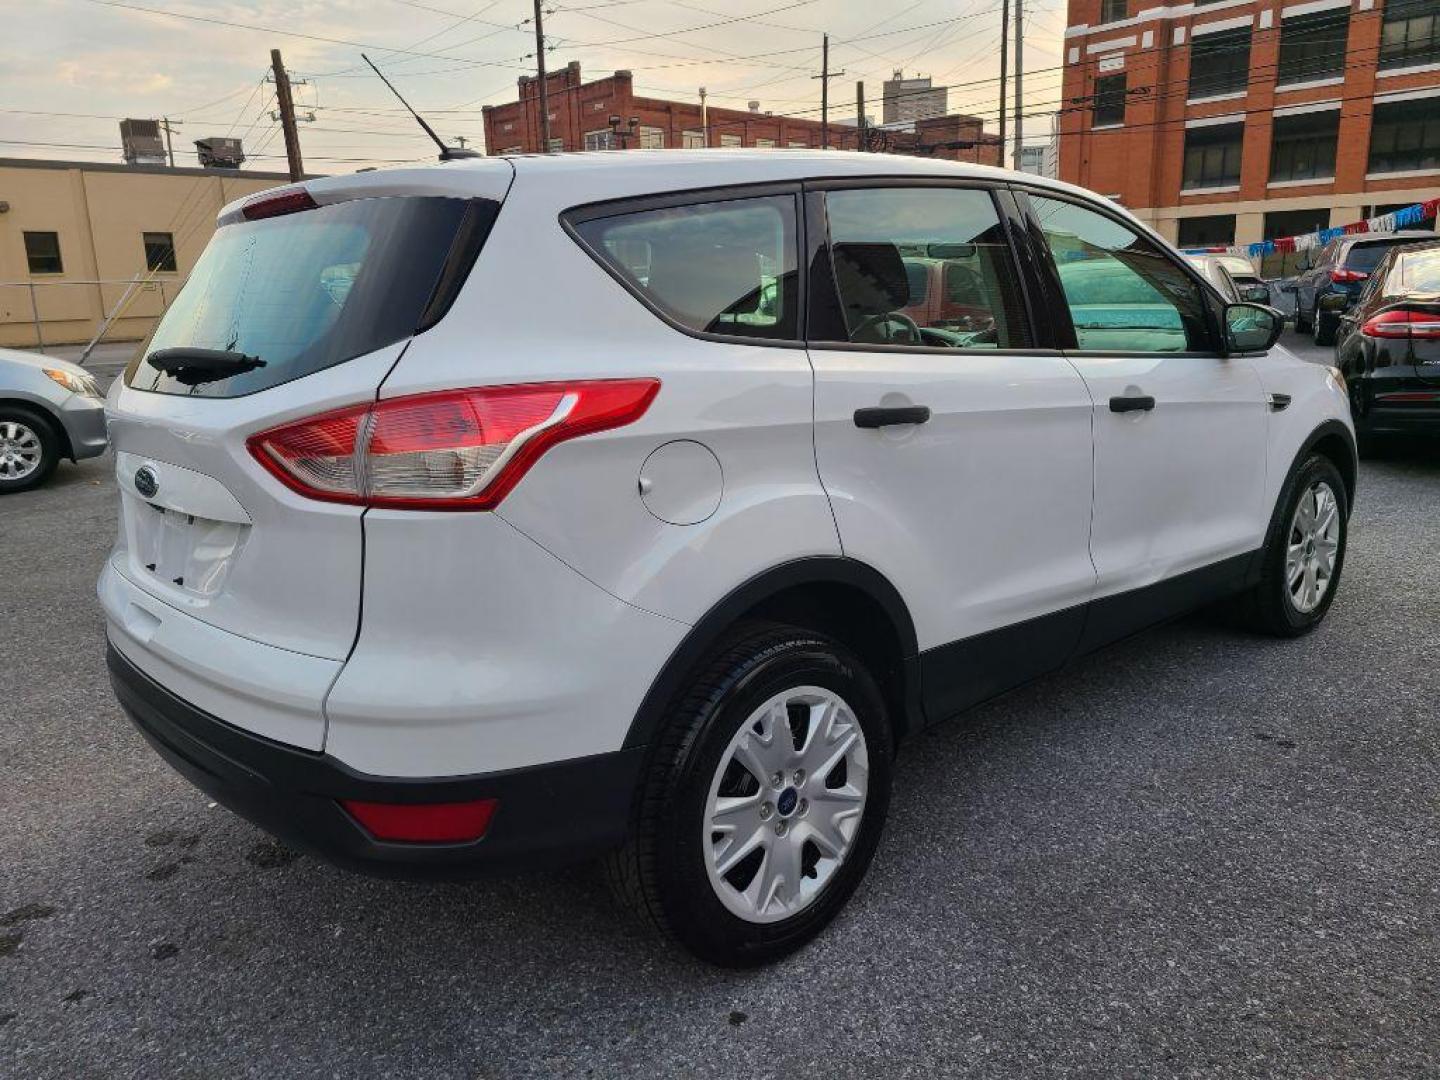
[[303, 302]]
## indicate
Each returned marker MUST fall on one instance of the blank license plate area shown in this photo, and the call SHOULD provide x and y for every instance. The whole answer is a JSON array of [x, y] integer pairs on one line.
[[185, 552]]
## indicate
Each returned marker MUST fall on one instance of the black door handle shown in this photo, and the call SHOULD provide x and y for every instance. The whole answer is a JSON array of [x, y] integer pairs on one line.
[[1138, 403], [879, 416]]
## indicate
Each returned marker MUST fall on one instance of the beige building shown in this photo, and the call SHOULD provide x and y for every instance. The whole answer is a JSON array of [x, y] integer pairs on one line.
[[73, 235]]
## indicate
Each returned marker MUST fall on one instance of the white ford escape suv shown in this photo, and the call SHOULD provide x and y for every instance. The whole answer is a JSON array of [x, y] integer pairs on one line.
[[638, 505]]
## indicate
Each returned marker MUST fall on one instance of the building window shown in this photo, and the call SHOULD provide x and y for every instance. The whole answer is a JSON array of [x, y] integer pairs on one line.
[[604, 139], [1214, 230], [1212, 155], [1313, 46], [801, 143], [652, 138], [765, 144], [556, 146], [512, 150], [1109, 100], [1303, 147], [159, 251], [1410, 35], [731, 140], [1113, 10], [1282, 223], [692, 140], [42, 252], [1220, 63], [720, 268], [1404, 136]]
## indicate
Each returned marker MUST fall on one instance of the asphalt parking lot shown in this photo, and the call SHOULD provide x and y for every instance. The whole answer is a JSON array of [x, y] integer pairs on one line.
[[1197, 854]]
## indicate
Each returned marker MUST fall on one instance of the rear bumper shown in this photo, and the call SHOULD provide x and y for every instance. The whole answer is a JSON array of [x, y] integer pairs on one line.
[[547, 814]]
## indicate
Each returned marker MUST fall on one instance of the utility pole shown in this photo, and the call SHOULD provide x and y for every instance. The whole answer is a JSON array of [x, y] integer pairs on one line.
[[286, 104], [860, 111], [704, 119], [540, 69], [1004, 59], [825, 76], [168, 125], [1019, 79]]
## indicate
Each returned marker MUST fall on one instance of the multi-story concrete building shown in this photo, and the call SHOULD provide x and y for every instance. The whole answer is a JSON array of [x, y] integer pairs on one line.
[[1234, 121], [911, 99], [75, 234], [606, 114]]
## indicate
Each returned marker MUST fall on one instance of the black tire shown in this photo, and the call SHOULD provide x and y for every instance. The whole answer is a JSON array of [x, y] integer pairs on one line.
[[1324, 329], [1269, 607], [661, 872], [44, 432], [1302, 324]]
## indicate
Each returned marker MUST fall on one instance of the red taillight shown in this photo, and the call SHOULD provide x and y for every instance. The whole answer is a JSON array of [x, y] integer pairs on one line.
[[424, 823], [1403, 323], [266, 206], [451, 450], [1344, 276]]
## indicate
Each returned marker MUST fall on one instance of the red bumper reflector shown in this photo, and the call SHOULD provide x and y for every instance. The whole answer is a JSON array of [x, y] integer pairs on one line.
[[424, 823]]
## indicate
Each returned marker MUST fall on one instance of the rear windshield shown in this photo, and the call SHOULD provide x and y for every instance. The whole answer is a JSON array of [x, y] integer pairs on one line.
[[1420, 272], [309, 290], [1368, 256]]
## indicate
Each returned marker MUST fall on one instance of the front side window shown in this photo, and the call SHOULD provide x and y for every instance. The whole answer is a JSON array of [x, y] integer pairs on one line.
[[1124, 293], [924, 267], [1303, 147], [1220, 63], [718, 267], [1405, 136], [1109, 100], [159, 251], [42, 253], [1212, 155], [1410, 35], [1313, 46]]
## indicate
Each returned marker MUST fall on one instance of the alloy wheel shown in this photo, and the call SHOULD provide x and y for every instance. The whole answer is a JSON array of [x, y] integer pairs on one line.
[[1312, 547], [20, 450], [785, 804]]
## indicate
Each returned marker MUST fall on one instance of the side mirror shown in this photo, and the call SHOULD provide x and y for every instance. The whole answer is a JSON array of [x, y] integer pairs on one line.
[[1251, 328]]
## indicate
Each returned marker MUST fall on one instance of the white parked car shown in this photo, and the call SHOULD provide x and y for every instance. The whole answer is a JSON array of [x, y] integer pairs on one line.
[[636, 505]]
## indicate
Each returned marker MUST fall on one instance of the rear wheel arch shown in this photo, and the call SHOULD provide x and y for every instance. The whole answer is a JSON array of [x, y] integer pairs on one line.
[[1334, 440], [838, 597]]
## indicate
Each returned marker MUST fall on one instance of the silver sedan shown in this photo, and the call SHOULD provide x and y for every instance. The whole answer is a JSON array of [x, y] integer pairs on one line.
[[49, 409]]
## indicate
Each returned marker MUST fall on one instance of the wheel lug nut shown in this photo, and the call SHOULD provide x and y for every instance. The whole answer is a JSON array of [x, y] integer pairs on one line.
[[766, 809], [804, 806], [779, 828], [777, 780], [799, 777]]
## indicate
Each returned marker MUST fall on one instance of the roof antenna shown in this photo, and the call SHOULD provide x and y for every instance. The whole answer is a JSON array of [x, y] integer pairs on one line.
[[447, 153]]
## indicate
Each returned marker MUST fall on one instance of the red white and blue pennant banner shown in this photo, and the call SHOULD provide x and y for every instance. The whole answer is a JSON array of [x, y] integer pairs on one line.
[[1404, 218]]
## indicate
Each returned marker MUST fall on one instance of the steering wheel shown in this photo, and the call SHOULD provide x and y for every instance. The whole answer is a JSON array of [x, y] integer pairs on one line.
[[912, 328]]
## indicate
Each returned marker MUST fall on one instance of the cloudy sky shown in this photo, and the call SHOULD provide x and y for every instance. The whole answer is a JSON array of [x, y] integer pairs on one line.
[[69, 69]]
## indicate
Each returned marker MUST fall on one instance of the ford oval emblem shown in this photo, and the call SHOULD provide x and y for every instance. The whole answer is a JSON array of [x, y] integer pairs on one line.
[[145, 482]]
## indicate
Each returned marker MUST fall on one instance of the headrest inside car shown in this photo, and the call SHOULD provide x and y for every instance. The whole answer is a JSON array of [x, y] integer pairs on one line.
[[871, 279]]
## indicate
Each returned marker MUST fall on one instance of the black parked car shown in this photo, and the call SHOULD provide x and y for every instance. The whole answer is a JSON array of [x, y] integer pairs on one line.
[[1341, 269], [1389, 346]]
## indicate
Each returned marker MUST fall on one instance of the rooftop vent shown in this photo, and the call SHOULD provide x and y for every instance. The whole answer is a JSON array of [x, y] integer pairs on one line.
[[220, 153], [142, 142]]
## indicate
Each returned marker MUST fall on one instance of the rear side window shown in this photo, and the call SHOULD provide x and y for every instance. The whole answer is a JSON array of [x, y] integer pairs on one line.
[[724, 268], [309, 290], [888, 244], [1366, 257]]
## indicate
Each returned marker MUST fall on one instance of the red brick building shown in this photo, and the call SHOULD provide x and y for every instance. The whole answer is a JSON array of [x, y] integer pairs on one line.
[[581, 116], [1233, 121]]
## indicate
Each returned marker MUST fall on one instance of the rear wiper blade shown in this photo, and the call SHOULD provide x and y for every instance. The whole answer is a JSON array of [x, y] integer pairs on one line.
[[195, 366]]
